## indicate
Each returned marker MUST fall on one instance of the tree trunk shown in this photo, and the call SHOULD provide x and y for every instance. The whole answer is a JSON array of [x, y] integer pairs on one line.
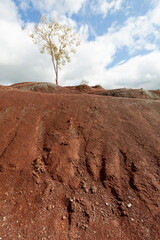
[[55, 69], [57, 77]]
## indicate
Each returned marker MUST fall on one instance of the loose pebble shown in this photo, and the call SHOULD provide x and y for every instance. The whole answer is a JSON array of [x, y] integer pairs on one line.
[[129, 205]]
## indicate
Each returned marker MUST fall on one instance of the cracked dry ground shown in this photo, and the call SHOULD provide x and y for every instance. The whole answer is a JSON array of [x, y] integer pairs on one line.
[[78, 166]]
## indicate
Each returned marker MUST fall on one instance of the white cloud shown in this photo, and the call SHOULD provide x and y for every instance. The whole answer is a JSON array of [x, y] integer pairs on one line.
[[138, 72], [153, 14], [8, 11], [138, 33], [106, 6], [24, 5], [60, 6], [89, 62], [134, 34], [153, 3], [93, 57], [84, 32]]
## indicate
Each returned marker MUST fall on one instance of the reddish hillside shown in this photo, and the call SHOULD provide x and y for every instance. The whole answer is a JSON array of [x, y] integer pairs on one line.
[[79, 163]]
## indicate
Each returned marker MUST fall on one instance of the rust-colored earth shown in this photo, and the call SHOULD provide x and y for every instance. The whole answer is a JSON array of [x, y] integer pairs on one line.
[[79, 163]]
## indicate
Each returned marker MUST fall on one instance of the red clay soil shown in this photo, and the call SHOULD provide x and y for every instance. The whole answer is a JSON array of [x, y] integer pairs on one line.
[[78, 164]]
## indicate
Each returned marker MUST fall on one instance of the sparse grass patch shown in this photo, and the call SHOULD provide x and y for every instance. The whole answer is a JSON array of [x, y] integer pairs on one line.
[[36, 86], [97, 86]]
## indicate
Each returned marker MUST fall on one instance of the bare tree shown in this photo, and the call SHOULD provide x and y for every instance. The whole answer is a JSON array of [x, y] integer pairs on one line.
[[58, 40]]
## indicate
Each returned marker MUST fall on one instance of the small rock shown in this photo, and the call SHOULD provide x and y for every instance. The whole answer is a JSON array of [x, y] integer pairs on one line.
[[129, 205], [73, 206], [65, 142], [124, 213], [84, 226], [86, 190], [122, 204], [93, 189], [121, 207], [1, 168], [49, 207], [20, 207], [106, 204], [84, 185]]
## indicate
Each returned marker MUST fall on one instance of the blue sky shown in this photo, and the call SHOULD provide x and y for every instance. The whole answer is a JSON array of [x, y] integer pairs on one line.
[[120, 42]]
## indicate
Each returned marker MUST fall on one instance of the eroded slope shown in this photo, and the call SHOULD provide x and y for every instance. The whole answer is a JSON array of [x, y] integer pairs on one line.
[[78, 166]]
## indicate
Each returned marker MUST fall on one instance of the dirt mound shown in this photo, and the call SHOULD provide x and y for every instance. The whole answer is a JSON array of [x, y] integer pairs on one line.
[[44, 87], [79, 166], [131, 93]]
